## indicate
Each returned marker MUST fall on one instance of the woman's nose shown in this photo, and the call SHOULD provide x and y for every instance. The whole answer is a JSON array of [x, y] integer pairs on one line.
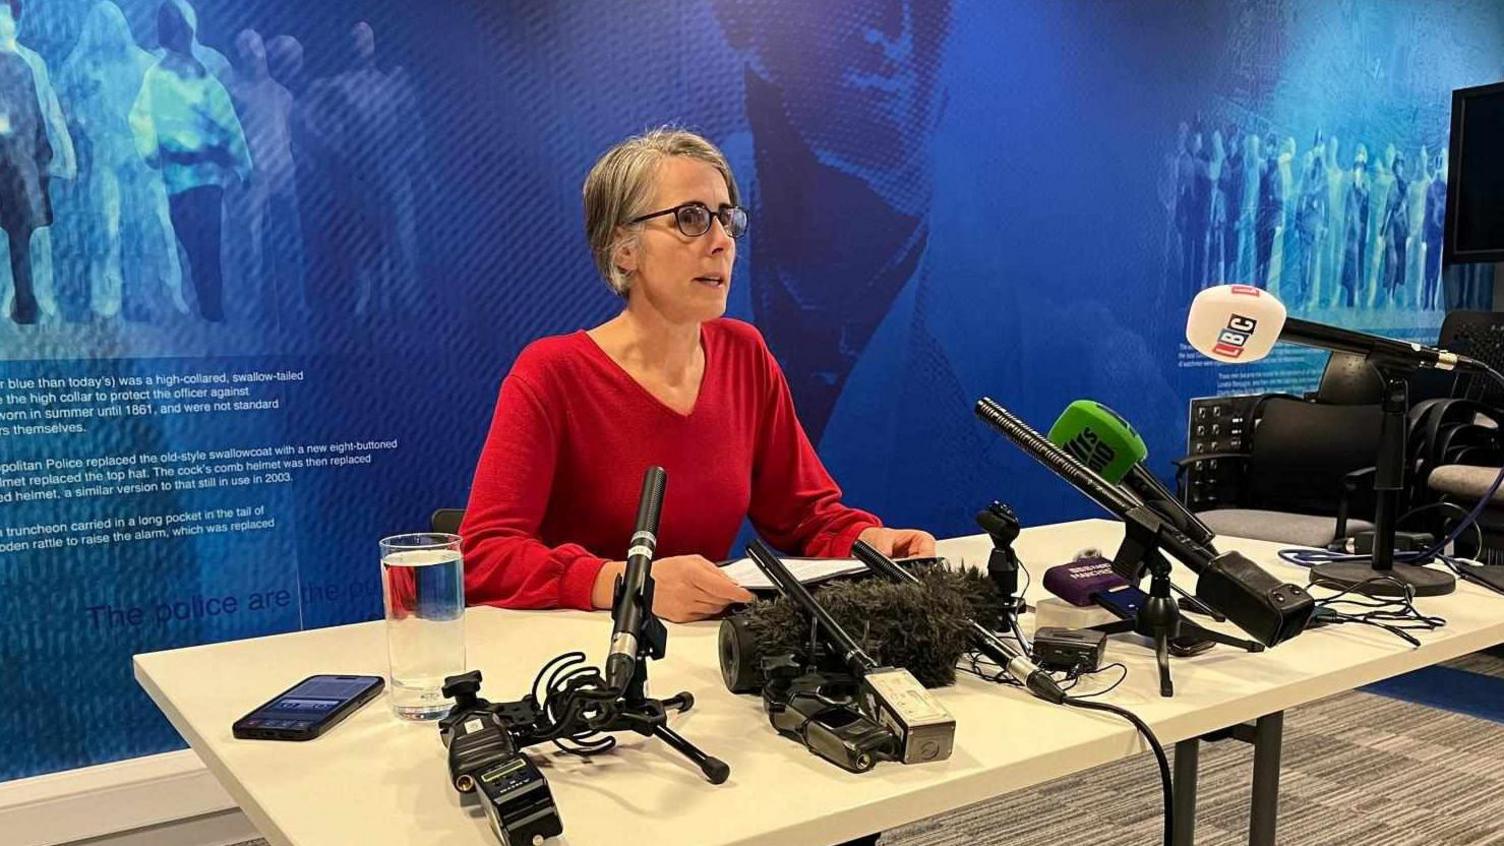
[[720, 239]]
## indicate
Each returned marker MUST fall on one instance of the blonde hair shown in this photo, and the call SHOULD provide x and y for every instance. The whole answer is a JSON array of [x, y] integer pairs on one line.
[[620, 186]]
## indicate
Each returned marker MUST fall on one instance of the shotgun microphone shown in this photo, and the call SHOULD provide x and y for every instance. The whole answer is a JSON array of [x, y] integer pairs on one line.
[[1270, 610]]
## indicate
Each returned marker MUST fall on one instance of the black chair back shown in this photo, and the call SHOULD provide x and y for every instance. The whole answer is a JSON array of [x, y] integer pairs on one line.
[[1302, 450], [1479, 335], [446, 520], [1350, 380]]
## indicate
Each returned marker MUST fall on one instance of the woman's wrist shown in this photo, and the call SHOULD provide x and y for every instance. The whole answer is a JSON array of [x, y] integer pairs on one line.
[[604, 590]]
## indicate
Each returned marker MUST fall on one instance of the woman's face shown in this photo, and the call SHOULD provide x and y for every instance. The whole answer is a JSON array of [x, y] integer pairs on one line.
[[685, 279]]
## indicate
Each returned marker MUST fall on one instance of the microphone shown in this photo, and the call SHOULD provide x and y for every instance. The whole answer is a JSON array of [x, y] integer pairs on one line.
[[890, 695], [1002, 653], [1105, 442], [633, 603], [1240, 323], [1257, 602]]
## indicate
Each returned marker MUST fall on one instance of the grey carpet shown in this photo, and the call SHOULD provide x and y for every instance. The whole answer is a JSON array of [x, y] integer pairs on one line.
[[1358, 770]]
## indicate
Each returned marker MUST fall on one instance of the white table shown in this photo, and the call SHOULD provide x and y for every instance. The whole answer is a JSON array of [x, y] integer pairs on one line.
[[375, 780]]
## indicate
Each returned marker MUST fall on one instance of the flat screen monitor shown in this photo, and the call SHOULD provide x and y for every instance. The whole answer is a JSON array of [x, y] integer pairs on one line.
[[1475, 198]]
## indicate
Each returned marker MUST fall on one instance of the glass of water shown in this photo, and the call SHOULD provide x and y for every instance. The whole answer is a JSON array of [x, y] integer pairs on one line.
[[423, 590]]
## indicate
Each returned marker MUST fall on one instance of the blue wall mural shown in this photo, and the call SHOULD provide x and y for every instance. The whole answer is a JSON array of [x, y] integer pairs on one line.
[[267, 261]]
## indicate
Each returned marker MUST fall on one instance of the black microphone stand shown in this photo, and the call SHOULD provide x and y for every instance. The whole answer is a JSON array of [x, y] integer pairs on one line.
[[1159, 619], [636, 711], [1382, 575], [1001, 524]]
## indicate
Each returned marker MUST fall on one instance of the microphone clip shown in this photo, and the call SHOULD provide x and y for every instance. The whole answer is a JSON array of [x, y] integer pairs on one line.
[[1000, 523], [653, 637]]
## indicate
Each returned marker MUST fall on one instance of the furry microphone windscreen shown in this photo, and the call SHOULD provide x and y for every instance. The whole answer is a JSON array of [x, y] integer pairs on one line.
[[922, 628]]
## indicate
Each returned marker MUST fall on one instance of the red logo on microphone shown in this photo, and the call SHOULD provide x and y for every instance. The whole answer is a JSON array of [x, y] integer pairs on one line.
[[1246, 290], [1232, 340]]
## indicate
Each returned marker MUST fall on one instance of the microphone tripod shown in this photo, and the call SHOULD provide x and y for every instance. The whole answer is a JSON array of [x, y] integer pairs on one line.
[[579, 703], [638, 636], [1160, 617], [636, 711]]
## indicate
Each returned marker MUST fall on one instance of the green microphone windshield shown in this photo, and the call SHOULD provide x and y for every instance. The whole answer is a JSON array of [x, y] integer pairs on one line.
[[1098, 438]]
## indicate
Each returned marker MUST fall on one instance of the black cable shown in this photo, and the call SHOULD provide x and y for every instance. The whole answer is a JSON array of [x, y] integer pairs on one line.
[[1159, 754], [1397, 615], [1106, 690], [1081, 701], [1477, 529]]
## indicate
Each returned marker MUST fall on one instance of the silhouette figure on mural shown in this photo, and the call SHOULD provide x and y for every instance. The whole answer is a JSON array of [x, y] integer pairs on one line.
[[116, 219], [841, 100], [264, 237], [185, 125], [210, 58], [310, 155], [1396, 229], [1335, 245], [1231, 184], [1436, 215], [358, 129], [62, 166], [1415, 227], [1355, 218], [1271, 210], [1187, 209], [1310, 227], [25, 154]]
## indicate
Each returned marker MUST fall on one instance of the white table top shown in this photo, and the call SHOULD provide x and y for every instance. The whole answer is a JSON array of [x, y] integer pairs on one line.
[[375, 780]]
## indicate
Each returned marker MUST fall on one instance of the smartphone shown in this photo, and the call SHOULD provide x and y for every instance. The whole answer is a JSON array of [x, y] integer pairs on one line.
[[308, 708], [1125, 602]]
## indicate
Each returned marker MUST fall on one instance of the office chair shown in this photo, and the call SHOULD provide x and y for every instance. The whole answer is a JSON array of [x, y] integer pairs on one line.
[[1349, 379], [1308, 471], [446, 520], [1477, 334]]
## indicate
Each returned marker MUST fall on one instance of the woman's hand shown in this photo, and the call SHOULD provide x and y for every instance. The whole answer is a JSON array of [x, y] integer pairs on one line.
[[899, 543], [685, 588]]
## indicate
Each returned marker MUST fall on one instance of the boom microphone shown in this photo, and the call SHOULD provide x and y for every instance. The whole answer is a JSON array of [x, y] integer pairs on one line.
[[633, 602], [1270, 610], [1105, 442], [1240, 323], [890, 695]]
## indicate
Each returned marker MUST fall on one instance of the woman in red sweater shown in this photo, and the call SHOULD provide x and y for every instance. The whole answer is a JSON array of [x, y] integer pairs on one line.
[[669, 381]]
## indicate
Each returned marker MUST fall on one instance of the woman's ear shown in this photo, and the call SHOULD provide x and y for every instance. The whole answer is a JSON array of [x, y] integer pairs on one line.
[[625, 256]]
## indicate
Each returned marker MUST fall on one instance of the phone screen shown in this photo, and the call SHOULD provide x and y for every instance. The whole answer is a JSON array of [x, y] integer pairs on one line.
[[308, 708], [1122, 601]]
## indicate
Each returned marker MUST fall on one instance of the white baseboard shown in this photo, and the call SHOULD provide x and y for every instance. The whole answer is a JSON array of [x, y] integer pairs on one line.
[[163, 800]]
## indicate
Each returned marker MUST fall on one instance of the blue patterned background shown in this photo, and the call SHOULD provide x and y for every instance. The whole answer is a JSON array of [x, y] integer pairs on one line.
[[948, 200]]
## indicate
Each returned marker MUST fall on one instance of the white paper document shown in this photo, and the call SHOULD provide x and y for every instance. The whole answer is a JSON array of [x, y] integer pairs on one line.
[[806, 570]]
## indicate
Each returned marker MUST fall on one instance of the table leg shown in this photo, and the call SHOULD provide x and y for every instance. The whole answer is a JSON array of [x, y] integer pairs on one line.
[[1187, 758], [1267, 740]]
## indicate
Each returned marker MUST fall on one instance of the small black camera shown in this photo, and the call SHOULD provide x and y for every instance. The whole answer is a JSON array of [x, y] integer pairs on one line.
[[484, 759]]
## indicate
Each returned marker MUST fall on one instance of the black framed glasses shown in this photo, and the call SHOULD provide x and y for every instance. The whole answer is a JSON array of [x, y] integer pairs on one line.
[[693, 219]]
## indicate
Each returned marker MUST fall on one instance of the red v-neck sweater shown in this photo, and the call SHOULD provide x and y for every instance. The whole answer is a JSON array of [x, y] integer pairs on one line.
[[556, 487]]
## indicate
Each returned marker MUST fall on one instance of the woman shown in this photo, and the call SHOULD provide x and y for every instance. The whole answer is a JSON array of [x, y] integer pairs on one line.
[[669, 382]]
